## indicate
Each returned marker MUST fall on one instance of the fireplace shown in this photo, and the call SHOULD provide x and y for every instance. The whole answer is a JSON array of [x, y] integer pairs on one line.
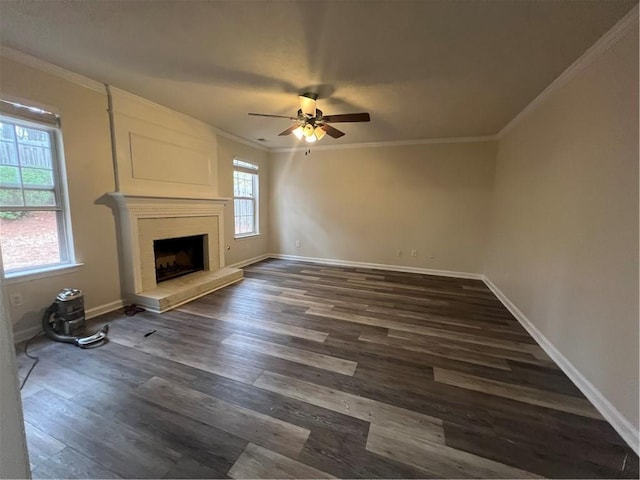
[[175, 257], [173, 249]]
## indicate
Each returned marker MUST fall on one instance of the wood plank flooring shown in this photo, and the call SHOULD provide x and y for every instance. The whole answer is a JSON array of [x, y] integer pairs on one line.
[[312, 371]]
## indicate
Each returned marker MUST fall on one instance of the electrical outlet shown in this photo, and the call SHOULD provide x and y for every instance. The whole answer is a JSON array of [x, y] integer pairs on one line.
[[414, 253], [298, 243], [16, 299]]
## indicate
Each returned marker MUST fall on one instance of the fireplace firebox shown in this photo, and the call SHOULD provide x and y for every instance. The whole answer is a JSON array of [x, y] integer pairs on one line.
[[178, 256]]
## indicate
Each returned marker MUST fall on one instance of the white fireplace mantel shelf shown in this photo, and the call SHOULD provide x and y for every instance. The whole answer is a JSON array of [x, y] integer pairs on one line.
[[141, 202]]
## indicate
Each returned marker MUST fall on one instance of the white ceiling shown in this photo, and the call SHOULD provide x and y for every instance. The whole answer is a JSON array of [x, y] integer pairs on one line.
[[423, 69]]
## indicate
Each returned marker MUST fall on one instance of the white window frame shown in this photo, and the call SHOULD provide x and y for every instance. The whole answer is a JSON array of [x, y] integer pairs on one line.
[[245, 166], [12, 113]]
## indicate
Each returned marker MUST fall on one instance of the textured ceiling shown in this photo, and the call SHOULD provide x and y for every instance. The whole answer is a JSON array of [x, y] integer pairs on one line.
[[423, 69]]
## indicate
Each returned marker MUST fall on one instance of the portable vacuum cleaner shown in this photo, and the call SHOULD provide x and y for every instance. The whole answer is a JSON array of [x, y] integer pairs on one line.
[[64, 320]]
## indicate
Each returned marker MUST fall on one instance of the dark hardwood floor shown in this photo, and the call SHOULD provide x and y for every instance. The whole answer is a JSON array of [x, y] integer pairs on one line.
[[311, 371]]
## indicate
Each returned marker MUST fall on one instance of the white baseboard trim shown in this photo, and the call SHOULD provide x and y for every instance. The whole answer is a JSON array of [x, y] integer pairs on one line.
[[348, 263], [249, 261], [378, 266], [621, 425], [102, 309], [27, 333]]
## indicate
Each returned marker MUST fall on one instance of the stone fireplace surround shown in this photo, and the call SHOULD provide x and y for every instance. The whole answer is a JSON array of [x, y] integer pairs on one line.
[[144, 219]]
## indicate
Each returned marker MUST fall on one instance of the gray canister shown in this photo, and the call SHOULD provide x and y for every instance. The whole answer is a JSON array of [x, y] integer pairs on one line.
[[69, 314]]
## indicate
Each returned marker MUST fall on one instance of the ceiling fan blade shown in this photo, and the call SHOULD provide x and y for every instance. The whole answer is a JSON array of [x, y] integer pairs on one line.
[[308, 103], [347, 117], [288, 130], [331, 131], [273, 116]]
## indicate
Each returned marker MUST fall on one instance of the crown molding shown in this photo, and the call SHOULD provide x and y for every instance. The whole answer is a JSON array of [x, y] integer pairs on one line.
[[242, 140], [44, 66], [47, 67], [132, 98], [150, 103], [395, 143], [602, 45]]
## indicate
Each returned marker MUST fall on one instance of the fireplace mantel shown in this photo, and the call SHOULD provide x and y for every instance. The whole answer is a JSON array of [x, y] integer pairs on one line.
[[144, 219], [146, 204]]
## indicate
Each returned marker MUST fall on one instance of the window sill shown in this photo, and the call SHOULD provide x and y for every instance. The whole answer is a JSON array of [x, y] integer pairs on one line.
[[43, 272], [250, 235]]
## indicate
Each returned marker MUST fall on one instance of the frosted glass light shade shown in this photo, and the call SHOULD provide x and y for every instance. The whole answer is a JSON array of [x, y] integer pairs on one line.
[[298, 132], [319, 132], [308, 130]]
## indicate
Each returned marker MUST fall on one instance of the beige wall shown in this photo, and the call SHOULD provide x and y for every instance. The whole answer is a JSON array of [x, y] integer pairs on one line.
[[365, 204], [87, 152], [160, 152], [564, 243], [243, 248]]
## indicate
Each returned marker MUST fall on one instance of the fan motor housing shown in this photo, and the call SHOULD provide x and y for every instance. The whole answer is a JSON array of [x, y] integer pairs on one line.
[[312, 120]]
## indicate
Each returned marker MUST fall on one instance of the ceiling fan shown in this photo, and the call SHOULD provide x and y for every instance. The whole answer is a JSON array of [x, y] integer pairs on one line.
[[311, 124]]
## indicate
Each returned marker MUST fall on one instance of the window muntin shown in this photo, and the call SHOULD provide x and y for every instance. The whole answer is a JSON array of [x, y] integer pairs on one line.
[[33, 218], [245, 198]]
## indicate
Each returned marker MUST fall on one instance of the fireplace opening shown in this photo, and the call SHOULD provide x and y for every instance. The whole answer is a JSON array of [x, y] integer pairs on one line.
[[178, 256]]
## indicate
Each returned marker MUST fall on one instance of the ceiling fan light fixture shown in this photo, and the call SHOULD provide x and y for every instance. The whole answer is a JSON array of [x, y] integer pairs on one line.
[[312, 124], [308, 130], [319, 133], [298, 132]]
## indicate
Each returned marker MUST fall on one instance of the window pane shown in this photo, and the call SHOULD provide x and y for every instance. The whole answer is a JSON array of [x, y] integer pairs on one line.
[[37, 176], [244, 216], [11, 197], [240, 163], [32, 156], [40, 198], [243, 184], [32, 136], [10, 175], [8, 153], [6, 131], [29, 239]]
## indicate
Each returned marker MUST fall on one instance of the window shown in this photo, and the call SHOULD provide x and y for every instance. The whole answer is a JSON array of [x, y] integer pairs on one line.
[[33, 218], [245, 197]]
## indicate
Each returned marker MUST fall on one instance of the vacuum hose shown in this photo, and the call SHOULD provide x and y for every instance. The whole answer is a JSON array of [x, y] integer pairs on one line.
[[48, 328]]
